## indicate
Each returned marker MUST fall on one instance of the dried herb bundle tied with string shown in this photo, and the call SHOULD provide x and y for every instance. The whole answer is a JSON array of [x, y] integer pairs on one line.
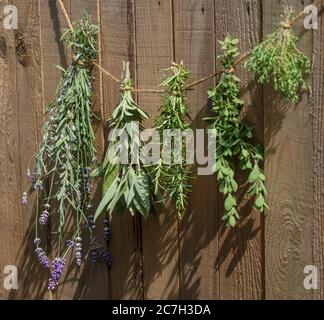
[[61, 177], [127, 183], [172, 176], [277, 58], [232, 138]]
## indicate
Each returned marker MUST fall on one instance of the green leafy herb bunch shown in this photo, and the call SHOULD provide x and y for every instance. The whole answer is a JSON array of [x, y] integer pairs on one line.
[[127, 182], [232, 137], [172, 180], [277, 58]]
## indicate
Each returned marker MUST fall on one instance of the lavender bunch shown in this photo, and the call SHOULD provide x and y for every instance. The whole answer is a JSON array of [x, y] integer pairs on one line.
[[66, 152]]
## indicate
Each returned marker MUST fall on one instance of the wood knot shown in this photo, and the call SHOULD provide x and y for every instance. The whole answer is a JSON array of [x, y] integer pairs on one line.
[[21, 49], [3, 47]]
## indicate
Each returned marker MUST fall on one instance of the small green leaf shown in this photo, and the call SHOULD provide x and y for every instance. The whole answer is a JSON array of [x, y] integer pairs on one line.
[[260, 201], [108, 196], [110, 176], [254, 175], [230, 202], [232, 221]]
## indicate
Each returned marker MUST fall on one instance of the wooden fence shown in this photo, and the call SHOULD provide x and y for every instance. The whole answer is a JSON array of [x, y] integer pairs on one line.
[[197, 258]]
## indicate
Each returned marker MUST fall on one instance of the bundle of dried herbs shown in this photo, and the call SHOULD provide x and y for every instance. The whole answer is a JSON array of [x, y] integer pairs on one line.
[[232, 137], [127, 182], [61, 178], [172, 177], [277, 58]]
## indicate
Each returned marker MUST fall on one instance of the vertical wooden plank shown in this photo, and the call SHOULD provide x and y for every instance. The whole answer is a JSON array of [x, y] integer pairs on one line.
[[289, 170], [53, 53], [195, 45], [160, 234], [240, 255], [53, 50], [29, 106], [10, 189], [118, 40], [90, 281], [318, 129]]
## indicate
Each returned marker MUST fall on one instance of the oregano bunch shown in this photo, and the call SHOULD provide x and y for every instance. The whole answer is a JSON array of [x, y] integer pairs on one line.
[[277, 58], [172, 180], [232, 137], [61, 177], [127, 182]]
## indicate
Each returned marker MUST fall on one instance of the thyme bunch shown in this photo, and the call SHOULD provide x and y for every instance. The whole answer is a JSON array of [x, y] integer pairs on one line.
[[232, 137], [277, 58], [127, 182], [172, 180], [61, 177]]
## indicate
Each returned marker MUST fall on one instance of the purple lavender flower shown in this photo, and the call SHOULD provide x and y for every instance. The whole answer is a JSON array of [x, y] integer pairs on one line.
[[58, 265], [107, 230], [78, 251], [91, 223], [39, 185], [105, 256], [42, 257], [94, 252], [24, 199], [89, 187], [70, 243], [37, 241], [86, 179], [43, 218], [32, 178]]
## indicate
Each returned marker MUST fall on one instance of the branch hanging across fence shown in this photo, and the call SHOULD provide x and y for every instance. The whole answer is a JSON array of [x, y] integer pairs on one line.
[[190, 86]]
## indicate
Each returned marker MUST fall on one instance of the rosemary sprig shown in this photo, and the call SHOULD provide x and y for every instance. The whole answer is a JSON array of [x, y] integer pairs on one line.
[[232, 136], [277, 58], [66, 153], [127, 183], [172, 180]]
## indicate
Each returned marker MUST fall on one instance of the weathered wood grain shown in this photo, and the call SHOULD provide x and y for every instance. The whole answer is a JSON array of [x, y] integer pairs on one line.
[[29, 100], [289, 169], [195, 45], [154, 49], [239, 259], [10, 188], [197, 258], [318, 143], [118, 44]]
